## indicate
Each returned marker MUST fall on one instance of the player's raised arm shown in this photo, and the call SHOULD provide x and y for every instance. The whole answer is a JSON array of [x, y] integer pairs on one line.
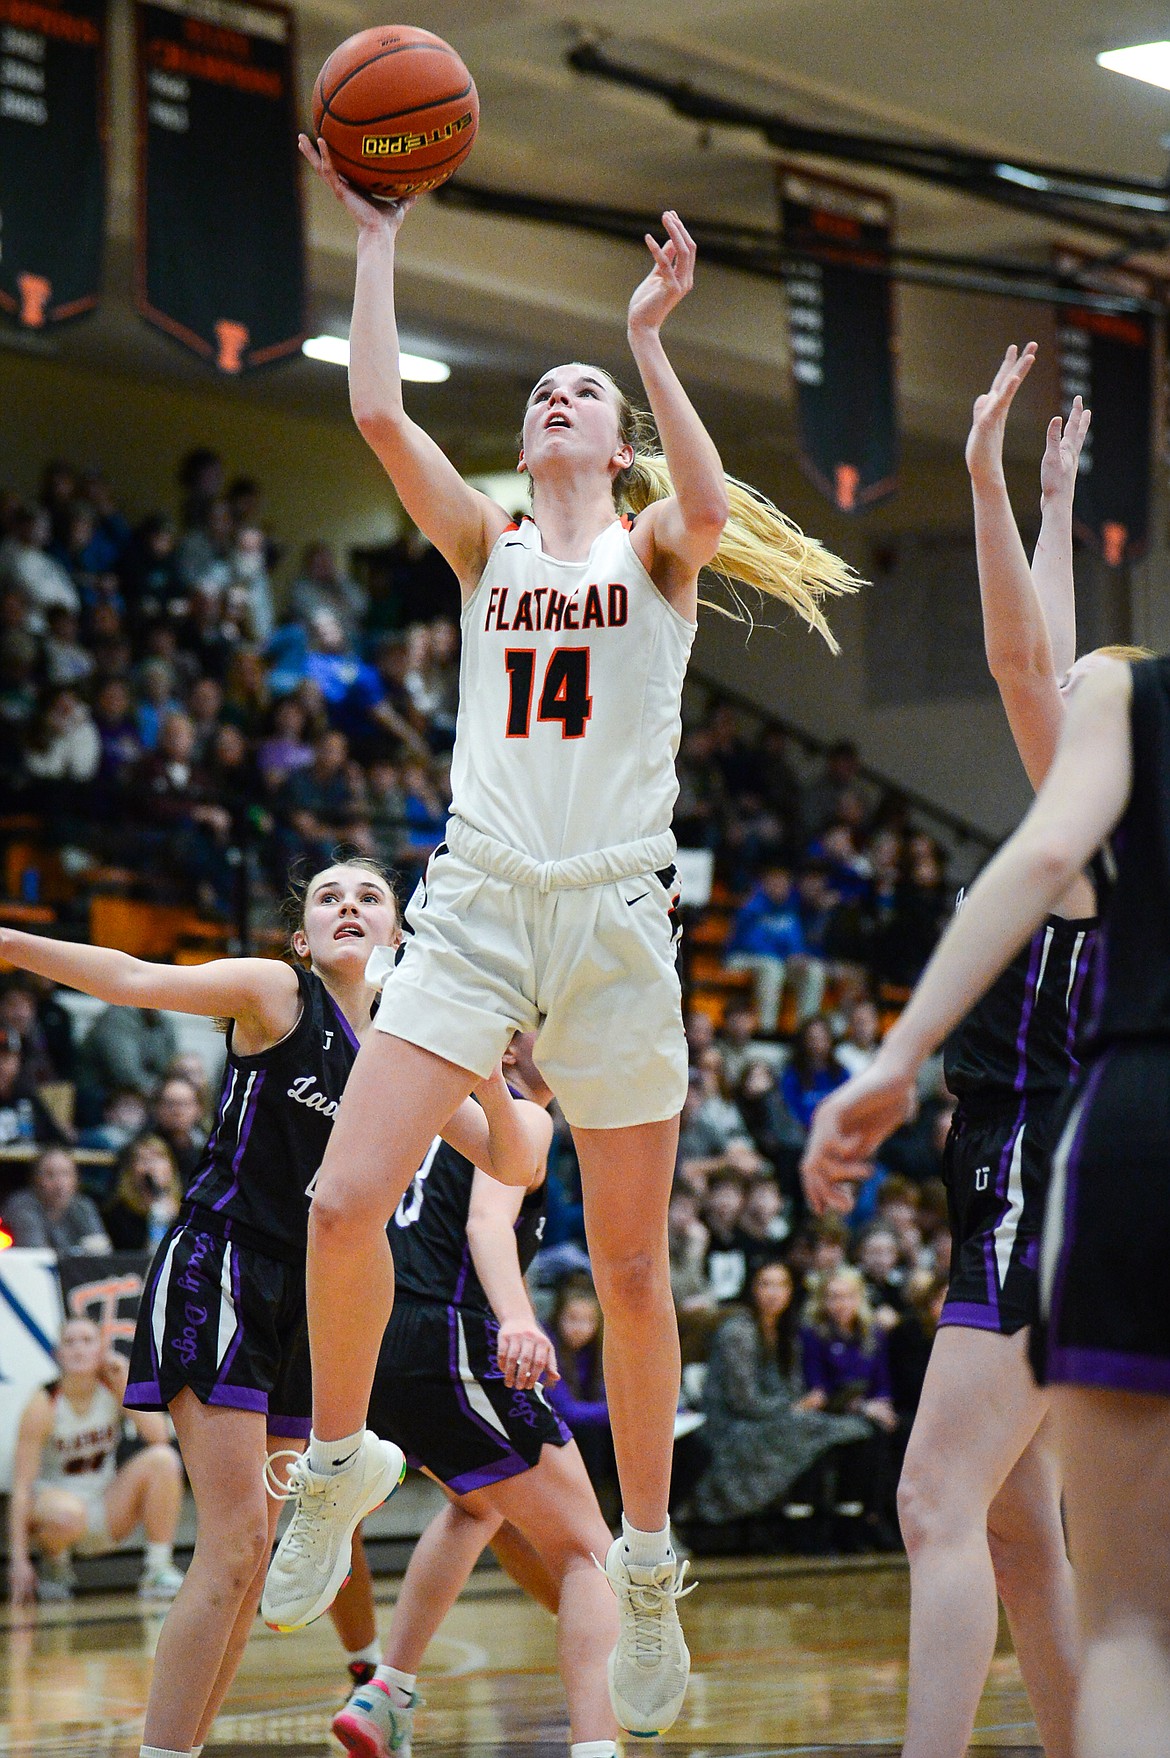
[[1015, 628], [461, 523], [686, 528], [262, 991]]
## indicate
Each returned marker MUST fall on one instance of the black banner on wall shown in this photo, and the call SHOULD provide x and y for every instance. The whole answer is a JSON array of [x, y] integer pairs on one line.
[[220, 232], [107, 1289], [52, 157], [841, 336], [1107, 358]]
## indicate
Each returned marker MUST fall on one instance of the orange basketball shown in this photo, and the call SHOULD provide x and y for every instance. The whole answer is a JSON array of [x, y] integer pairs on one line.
[[398, 110]]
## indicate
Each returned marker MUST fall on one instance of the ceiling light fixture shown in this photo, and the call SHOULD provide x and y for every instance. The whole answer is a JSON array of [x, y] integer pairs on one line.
[[419, 369], [1149, 62]]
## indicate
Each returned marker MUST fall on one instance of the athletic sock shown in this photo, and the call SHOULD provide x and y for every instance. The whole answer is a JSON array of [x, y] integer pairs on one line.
[[158, 1558], [399, 1685], [326, 1457], [371, 1654], [593, 1749], [648, 1550]]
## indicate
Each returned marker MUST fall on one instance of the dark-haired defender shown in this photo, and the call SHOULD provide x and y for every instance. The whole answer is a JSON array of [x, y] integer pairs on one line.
[[221, 1340], [550, 903]]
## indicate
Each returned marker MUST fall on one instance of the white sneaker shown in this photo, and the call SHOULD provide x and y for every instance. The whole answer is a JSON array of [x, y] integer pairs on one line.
[[312, 1560], [649, 1668], [373, 1726], [160, 1584]]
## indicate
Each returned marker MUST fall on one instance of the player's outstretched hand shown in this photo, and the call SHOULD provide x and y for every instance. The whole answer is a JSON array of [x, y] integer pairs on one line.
[[1062, 453], [985, 440], [848, 1127], [375, 214], [526, 1355], [670, 280]]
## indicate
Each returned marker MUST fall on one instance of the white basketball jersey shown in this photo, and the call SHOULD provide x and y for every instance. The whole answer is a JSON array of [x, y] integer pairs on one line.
[[81, 1452], [570, 691]]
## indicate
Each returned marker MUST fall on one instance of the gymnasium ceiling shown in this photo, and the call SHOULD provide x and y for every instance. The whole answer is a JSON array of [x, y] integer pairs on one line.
[[499, 296]]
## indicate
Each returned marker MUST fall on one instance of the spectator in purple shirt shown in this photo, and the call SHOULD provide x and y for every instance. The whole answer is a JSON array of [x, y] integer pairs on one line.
[[845, 1358]]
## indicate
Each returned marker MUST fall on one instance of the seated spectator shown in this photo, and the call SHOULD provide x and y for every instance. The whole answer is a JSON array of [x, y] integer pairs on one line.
[[23, 1117], [68, 1492], [66, 662], [50, 1210], [19, 1014], [857, 1049], [26, 564], [578, 1397], [146, 1195], [322, 586], [775, 1132], [127, 1048], [879, 1258], [727, 1263], [687, 1239], [176, 1116], [812, 1071], [62, 746], [765, 1433], [845, 1355], [767, 939]]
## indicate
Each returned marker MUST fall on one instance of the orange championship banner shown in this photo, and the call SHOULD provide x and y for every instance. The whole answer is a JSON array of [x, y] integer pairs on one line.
[[52, 158], [220, 262]]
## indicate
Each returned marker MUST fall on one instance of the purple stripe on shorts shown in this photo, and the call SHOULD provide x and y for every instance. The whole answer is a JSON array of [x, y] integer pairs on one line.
[[970, 1315], [293, 1428], [144, 1395], [238, 1338], [344, 1024], [1111, 1369], [512, 1465], [1068, 1219], [239, 1398], [245, 1132]]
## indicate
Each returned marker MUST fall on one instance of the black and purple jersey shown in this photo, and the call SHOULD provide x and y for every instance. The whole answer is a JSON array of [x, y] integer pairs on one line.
[[428, 1232], [275, 1115], [1022, 1038]]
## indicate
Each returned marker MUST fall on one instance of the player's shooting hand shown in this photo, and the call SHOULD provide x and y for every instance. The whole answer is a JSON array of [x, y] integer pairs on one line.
[[670, 280], [1062, 452], [370, 215], [847, 1129], [526, 1355], [985, 440]]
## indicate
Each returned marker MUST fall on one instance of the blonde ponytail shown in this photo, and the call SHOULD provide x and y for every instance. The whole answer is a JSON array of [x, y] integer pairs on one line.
[[760, 547]]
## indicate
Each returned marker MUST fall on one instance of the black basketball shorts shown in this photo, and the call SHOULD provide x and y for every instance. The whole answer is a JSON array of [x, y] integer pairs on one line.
[[439, 1393], [1104, 1283], [228, 1321], [995, 1167]]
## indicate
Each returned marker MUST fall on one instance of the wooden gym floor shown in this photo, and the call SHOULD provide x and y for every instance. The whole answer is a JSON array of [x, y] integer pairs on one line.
[[788, 1658]]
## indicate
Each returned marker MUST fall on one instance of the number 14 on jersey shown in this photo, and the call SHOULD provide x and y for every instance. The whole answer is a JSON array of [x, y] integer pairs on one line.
[[564, 692]]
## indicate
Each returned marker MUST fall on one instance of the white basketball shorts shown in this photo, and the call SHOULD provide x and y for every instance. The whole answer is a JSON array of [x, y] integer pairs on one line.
[[591, 970]]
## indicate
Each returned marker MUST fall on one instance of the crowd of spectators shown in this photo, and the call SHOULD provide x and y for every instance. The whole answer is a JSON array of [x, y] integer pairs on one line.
[[176, 715]]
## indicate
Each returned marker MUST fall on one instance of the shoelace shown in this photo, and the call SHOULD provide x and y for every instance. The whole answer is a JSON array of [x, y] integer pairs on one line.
[[310, 1498], [646, 1603]]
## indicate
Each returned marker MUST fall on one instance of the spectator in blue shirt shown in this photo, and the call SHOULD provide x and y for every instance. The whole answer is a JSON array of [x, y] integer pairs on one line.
[[767, 939], [812, 1071]]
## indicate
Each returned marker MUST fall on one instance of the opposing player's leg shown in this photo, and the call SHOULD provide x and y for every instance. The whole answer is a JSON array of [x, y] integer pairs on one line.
[[1114, 1450], [348, 1471], [246, 1616], [626, 1176], [224, 1453], [148, 1491], [980, 1409], [1035, 1582]]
